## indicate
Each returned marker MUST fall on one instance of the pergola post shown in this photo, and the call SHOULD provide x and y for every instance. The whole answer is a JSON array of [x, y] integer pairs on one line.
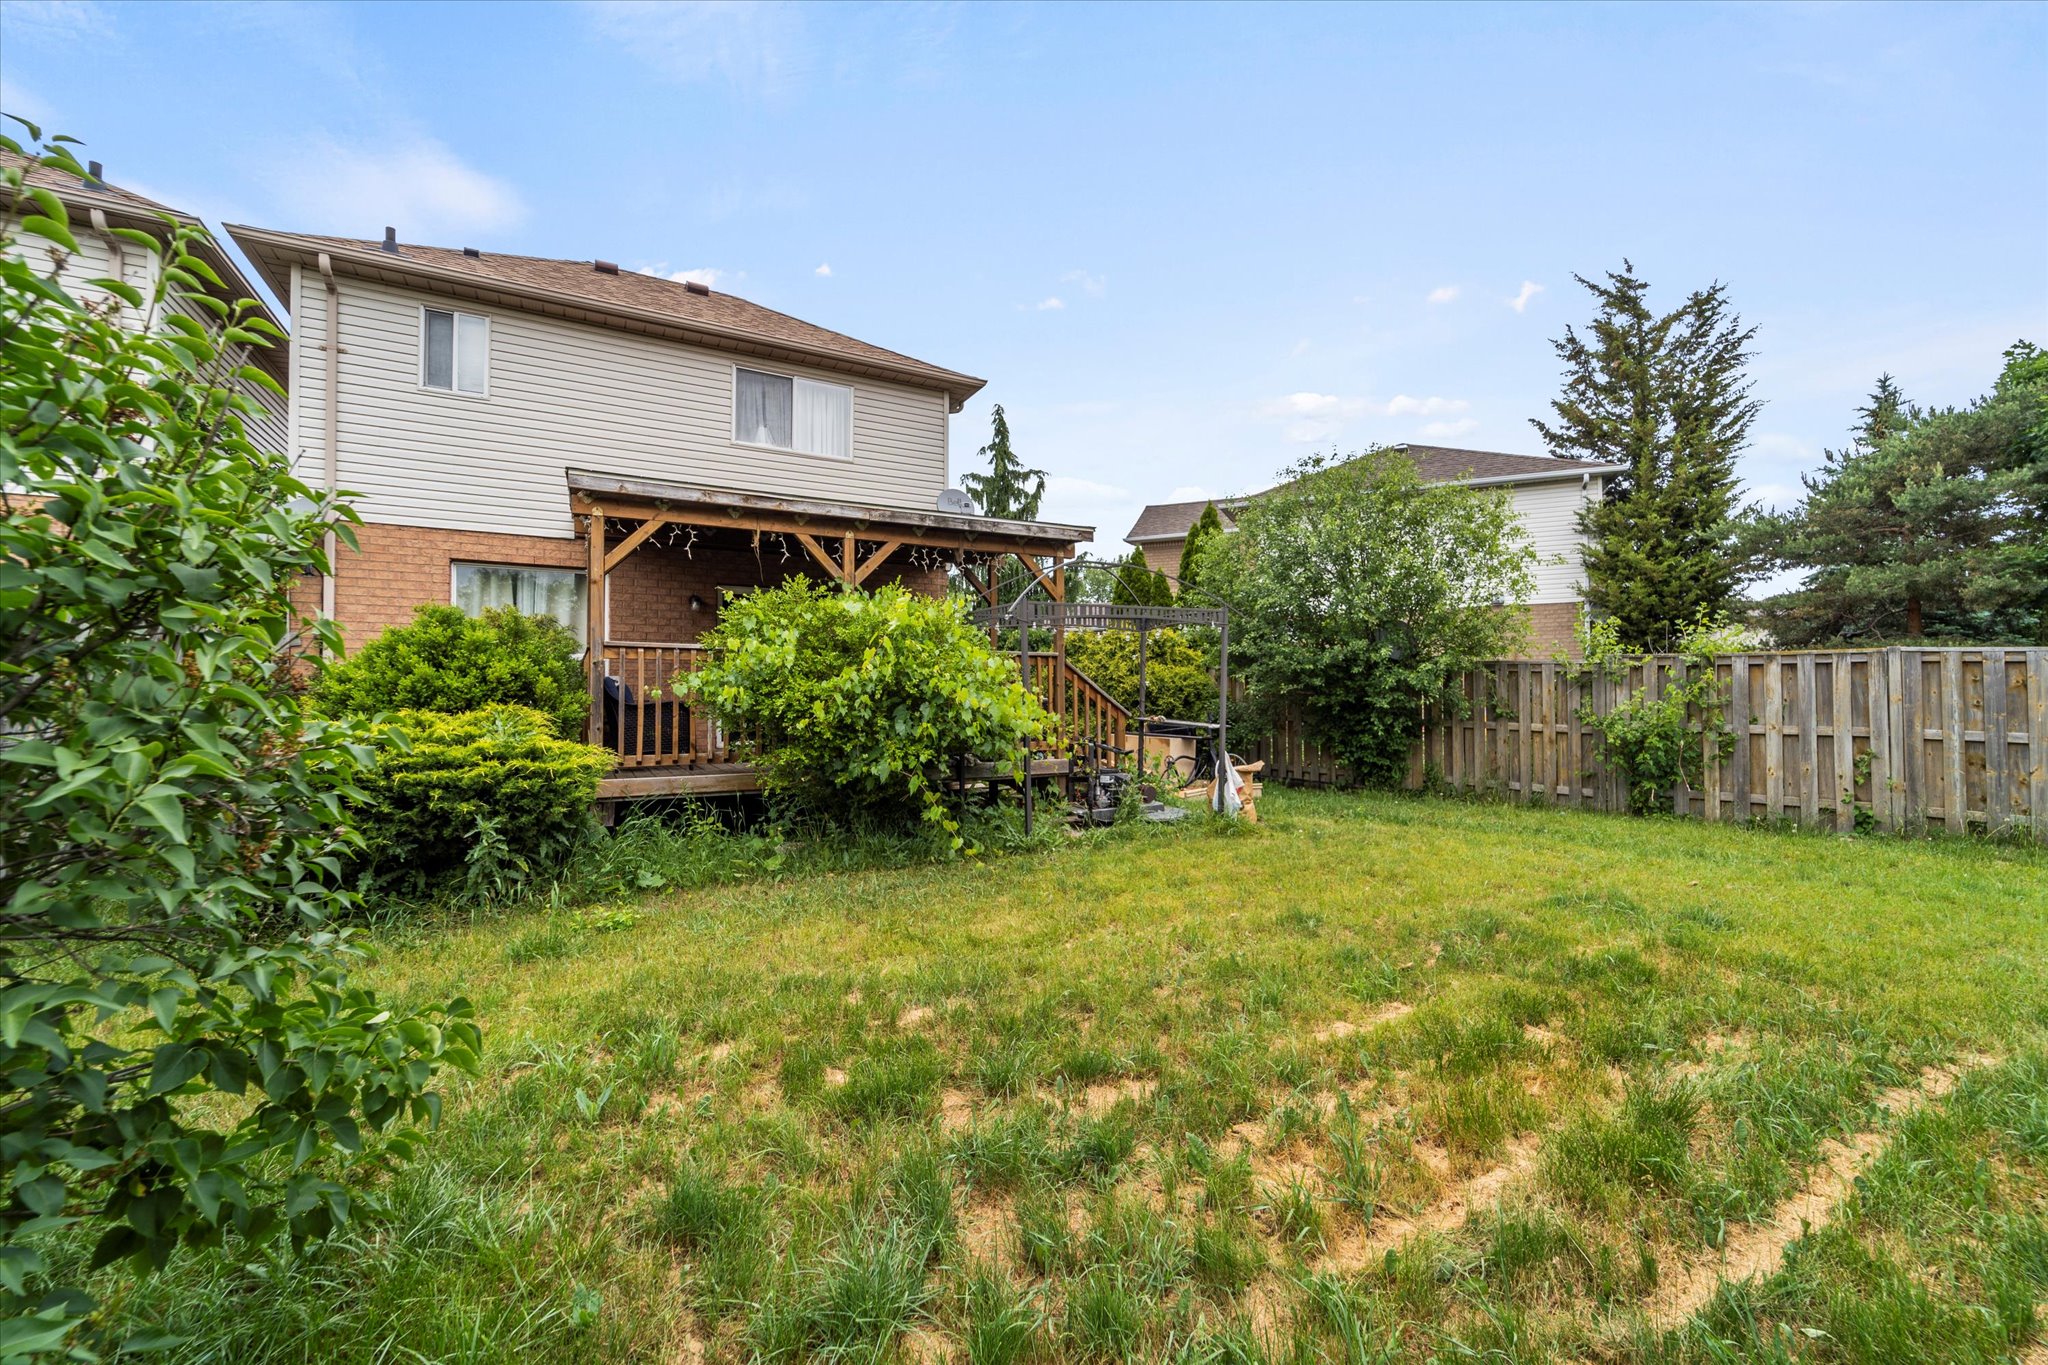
[[593, 627]]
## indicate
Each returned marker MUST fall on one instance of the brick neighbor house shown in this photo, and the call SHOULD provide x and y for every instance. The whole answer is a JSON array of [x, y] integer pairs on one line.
[[614, 450], [1548, 494]]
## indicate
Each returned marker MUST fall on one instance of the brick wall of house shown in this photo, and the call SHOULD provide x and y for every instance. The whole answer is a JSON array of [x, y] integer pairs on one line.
[[395, 569], [1550, 630], [1163, 556]]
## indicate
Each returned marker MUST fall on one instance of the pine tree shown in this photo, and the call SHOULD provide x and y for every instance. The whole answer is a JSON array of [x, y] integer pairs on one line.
[[1134, 582], [1665, 397], [1207, 525], [1927, 524], [1009, 490]]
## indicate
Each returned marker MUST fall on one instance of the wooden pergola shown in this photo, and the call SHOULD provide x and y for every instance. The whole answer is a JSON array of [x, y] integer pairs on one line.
[[848, 542]]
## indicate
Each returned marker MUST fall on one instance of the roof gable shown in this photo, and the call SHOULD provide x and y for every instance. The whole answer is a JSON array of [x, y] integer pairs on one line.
[[613, 297]]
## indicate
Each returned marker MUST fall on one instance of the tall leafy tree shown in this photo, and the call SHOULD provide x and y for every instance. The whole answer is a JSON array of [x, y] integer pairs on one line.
[[1191, 550], [183, 1052], [1665, 396], [1928, 524], [1357, 592]]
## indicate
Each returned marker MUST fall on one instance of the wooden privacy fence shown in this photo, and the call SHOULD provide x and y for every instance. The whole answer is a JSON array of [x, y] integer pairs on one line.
[[1908, 739]]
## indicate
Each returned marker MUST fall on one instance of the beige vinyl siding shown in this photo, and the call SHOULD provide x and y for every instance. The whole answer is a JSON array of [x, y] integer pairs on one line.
[[566, 394], [95, 259], [1550, 513]]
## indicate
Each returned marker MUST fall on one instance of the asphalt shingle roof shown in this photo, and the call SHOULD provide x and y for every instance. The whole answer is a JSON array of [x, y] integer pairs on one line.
[[620, 288], [1436, 464]]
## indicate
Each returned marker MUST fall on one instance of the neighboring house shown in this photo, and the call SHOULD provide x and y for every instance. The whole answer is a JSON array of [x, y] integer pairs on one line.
[[612, 449], [1548, 494], [95, 207]]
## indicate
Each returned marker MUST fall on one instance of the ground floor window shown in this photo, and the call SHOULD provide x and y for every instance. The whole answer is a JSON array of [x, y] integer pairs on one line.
[[560, 593]]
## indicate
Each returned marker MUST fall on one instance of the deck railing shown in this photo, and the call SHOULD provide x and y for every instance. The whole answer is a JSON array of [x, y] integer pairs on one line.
[[649, 726], [645, 719], [1086, 714]]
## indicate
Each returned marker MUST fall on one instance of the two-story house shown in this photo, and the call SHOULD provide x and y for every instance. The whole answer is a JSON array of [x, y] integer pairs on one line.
[[612, 449], [1548, 494], [96, 207]]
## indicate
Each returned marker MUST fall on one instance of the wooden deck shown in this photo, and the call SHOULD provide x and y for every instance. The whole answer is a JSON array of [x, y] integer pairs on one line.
[[699, 779], [729, 779]]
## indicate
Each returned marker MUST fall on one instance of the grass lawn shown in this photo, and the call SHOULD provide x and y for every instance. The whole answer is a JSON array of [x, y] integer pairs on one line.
[[1382, 1079]]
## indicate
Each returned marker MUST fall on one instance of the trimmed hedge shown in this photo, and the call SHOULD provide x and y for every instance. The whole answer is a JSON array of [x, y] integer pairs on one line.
[[489, 797], [449, 662]]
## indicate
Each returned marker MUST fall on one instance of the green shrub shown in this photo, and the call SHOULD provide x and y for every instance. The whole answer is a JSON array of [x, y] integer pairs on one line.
[[1180, 678], [446, 661], [485, 800], [861, 700], [187, 1057]]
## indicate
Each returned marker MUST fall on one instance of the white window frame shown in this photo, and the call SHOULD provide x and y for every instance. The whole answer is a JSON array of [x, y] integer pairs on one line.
[[733, 412], [454, 360]]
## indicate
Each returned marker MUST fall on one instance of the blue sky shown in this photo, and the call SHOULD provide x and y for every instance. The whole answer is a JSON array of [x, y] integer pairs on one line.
[[1185, 245]]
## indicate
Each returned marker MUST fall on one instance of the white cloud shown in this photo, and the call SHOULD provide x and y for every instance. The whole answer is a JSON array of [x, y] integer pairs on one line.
[[1191, 492], [1046, 305], [761, 48], [1094, 286], [703, 274], [1444, 430], [1301, 347], [1443, 293], [421, 187], [1069, 487], [1401, 405], [824, 269], [66, 19], [1530, 289], [1312, 416]]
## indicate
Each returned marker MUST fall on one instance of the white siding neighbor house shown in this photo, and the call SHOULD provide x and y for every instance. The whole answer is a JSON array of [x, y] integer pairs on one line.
[[1548, 495], [95, 208]]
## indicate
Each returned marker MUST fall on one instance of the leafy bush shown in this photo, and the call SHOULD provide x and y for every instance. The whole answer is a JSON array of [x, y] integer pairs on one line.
[[478, 803], [1358, 593], [446, 661], [1655, 735], [1180, 679], [170, 819], [861, 700]]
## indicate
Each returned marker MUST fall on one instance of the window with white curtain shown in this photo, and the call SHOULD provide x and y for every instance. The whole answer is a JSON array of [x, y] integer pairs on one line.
[[792, 414], [562, 594], [455, 351]]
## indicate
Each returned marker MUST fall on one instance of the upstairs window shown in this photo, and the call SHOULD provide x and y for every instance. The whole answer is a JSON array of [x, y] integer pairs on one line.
[[786, 413], [455, 352]]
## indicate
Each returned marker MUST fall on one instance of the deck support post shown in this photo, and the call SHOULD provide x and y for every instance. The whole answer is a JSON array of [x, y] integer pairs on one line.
[[593, 627], [1222, 712]]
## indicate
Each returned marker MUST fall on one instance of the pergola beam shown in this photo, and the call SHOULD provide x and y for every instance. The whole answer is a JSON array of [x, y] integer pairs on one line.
[[876, 559], [633, 542]]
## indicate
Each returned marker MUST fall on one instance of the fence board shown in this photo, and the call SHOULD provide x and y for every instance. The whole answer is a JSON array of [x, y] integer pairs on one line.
[[1921, 716]]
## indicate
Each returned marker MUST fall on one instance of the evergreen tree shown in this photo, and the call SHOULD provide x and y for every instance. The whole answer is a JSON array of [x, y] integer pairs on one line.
[[1191, 550], [1136, 583], [1928, 524], [1665, 397], [1009, 490]]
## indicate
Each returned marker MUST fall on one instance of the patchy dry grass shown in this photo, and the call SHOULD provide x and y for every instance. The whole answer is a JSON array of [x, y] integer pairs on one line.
[[1381, 1080]]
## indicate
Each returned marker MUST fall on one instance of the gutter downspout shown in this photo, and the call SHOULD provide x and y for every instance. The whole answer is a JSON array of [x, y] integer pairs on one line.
[[330, 425], [116, 257]]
